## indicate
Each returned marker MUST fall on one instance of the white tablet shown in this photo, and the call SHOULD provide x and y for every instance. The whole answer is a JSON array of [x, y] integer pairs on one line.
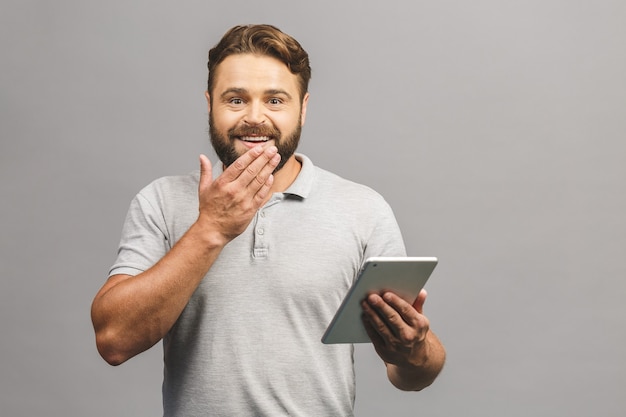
[[404, 276]]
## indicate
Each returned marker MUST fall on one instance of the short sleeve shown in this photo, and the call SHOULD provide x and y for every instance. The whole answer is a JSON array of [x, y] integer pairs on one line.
[[386, 237], [144, 238]]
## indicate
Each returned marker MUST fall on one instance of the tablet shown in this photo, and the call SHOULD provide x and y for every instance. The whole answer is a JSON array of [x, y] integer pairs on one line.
[[404, 276]]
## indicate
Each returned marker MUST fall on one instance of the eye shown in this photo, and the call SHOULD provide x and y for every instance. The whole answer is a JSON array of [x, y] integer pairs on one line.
[[275, 101], [236, 101]]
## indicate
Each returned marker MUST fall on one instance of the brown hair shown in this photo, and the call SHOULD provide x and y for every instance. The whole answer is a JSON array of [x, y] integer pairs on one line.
[[262, 40]]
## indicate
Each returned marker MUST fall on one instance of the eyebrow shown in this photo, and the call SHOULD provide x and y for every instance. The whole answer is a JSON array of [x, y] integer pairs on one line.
[[277, 92], [239, 90]]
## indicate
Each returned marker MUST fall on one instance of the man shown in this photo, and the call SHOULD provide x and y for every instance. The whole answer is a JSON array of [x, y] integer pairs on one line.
[[240, 267]]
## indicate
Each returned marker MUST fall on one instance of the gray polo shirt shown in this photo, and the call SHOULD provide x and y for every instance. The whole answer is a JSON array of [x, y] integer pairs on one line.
[[248, 342]]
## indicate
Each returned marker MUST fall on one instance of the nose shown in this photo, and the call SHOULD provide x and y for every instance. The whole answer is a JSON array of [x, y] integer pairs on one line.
[[254, 114]]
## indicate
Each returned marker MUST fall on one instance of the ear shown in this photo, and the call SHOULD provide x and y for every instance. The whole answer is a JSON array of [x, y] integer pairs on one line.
[[208, 100], [305, 100]]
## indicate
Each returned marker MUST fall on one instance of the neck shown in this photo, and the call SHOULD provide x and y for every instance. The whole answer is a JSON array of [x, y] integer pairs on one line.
[[286, 176]]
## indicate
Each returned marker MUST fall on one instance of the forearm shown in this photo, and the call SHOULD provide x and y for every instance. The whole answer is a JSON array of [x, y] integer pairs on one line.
[[426, 365], [132, 313]]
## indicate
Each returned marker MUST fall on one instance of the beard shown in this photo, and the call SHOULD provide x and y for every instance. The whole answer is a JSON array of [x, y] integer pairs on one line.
[[224, 145]]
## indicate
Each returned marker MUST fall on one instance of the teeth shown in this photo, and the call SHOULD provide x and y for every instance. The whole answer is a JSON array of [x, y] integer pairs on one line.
[[255, 138]]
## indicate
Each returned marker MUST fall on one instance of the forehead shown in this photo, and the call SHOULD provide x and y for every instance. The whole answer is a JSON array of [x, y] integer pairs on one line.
[[254, 73]]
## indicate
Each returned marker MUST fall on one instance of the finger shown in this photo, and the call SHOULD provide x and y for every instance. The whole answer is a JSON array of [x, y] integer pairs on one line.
[[415, 323], [418, 304], [373, 334], [249, 165], [403, 319], [407, 312], [260, 179], [234, 170], [264, 190], [258, 172], [384, 319], [206, 172]]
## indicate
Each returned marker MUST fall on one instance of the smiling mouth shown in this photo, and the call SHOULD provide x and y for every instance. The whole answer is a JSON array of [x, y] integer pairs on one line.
[[254, 139]]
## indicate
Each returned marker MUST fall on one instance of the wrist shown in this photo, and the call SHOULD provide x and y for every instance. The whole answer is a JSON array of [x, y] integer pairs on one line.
[[420, 368], [206, 235]]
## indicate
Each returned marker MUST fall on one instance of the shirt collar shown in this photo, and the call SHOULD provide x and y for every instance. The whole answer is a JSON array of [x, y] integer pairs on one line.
[[303, 183]]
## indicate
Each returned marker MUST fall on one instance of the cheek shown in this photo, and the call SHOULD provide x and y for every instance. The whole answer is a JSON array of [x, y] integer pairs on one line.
[[224, 122], [287, 122]]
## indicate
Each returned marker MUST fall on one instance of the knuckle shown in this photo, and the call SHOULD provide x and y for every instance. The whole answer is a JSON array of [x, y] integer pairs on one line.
[[231, 193], [239, 165], [220, 182], [250, 170], [260, 196], [408, 335], [407, 310], [259, 180], [381, 327]]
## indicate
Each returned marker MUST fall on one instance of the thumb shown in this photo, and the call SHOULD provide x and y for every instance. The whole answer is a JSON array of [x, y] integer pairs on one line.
[[206, 172], [418, 304]]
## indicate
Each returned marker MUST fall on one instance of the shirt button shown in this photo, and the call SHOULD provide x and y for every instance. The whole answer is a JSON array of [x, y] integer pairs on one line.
[[260, 231], [262, 214]]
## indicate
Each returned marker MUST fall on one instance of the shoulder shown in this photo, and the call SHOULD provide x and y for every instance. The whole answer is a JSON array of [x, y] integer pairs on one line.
[[345, 189], [173, 183], [172, 189], [332, 192]]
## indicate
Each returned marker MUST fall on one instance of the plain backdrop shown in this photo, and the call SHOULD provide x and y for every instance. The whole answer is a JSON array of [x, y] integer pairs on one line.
[[496, 130]]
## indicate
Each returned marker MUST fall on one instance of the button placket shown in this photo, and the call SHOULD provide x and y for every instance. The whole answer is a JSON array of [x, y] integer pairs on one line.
[[261, 228]]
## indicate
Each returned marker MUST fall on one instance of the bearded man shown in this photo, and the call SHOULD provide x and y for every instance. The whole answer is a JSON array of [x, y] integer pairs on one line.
[[239, 268]]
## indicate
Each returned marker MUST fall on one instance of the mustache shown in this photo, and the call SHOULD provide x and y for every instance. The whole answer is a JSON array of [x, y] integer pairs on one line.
[[245, 130]]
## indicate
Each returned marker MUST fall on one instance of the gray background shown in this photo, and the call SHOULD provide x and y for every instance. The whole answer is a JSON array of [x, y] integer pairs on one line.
[[494, 128]]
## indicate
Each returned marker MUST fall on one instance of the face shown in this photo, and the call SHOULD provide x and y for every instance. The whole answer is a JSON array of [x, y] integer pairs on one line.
[[255, 99]]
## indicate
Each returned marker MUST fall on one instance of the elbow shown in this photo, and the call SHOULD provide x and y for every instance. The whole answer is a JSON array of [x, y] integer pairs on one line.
[[109, 340], [109, 349], [111, 343], [118, 340], [116, 344]]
